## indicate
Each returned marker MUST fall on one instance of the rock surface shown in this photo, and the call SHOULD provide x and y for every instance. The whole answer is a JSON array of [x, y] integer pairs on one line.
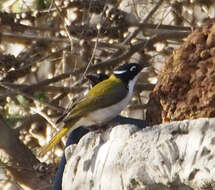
[[177, 155], [186, 84]]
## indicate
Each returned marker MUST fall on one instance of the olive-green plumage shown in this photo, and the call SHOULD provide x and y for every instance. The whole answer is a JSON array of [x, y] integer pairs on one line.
[[102, 95]]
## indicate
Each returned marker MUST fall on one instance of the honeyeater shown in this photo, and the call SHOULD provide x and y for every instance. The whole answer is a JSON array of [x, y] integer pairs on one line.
[[102, 103]]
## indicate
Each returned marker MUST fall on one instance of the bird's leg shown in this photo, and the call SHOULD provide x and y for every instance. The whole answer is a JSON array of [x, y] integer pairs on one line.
[[97, 128], [102, 128], [93, 127]]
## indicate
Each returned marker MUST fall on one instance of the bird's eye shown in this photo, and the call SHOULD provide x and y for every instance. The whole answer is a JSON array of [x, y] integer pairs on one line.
[[133, 68]]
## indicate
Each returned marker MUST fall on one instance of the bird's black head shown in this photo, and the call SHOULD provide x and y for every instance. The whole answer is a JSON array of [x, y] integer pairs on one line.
[[96, 78], [127, 72]]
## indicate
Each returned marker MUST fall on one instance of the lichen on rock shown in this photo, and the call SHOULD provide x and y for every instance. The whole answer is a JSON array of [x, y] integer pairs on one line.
[[176, 155]]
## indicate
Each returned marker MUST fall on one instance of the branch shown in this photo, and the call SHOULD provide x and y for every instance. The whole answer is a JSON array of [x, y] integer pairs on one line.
[[17, 91], [52, 89], [33, 37], [115, 60], [135, 32], [23, 162]]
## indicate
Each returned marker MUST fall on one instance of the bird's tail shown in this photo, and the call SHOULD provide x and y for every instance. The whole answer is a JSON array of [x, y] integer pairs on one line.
[[54, 141]]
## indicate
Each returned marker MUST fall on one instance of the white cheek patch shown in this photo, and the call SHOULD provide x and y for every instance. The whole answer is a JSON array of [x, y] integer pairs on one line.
[[133, 68], [120, 72]]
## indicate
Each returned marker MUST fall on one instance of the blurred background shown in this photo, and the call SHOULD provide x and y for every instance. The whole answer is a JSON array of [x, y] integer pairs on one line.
[[47, 47]]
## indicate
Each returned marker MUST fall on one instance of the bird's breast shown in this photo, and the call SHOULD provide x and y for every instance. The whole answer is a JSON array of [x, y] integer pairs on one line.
[[106, 114], [103, 115]]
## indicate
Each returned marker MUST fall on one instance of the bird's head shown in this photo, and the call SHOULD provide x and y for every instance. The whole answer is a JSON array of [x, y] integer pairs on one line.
[[128, 73]]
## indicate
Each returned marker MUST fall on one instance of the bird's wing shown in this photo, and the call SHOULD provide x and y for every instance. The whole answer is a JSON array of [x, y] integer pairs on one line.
[[67, 111], [102, 95]]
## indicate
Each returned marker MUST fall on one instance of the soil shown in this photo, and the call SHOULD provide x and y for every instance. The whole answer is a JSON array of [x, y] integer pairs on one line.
[[186, 83]]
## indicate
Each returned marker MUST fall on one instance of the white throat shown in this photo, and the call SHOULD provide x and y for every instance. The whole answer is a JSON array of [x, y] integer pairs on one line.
[[131, 84]]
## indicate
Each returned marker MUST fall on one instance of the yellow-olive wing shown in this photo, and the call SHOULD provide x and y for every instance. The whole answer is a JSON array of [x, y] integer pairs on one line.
[[104, 94]]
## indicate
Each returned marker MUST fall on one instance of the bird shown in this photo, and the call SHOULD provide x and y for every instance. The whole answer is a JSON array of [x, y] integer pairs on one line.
[[101, 104], [96, 78]]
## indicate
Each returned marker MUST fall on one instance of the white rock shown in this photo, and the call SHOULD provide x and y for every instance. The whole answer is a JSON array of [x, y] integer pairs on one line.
[[177, 155]]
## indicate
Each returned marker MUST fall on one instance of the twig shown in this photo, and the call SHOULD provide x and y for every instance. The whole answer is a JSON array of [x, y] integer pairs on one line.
[[93, 54], [135, 9], [28, 120], [22, 27], [33, 37], [97, 40], [50, 6], [179, 15], [145, 19], [17, 91], [65, 25], [115, 60], [100, 44], [164, 36], [44, 116], [145, 26]]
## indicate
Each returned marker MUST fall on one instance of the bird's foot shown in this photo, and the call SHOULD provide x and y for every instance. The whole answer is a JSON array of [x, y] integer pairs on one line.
[[97, 128]]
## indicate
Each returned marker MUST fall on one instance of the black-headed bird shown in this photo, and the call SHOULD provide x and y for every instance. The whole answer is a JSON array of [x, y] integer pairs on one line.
[[102, 103]]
